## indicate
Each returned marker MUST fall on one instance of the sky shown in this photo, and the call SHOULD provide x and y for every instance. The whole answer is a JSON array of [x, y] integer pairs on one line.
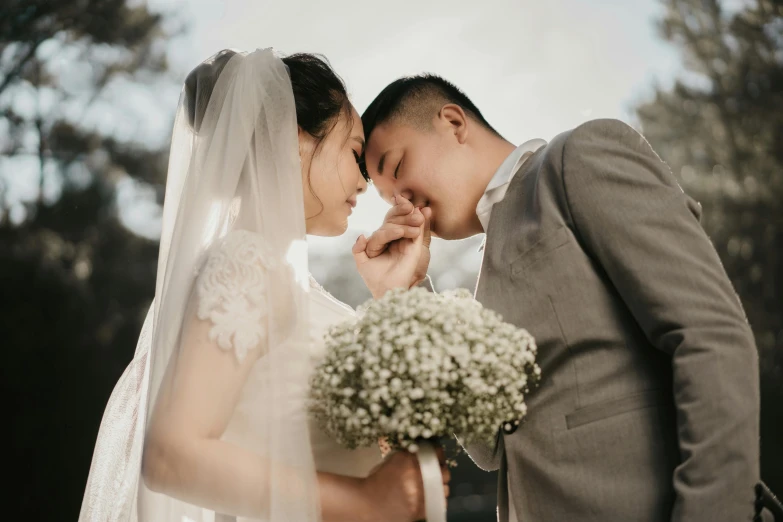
[[534, 69]]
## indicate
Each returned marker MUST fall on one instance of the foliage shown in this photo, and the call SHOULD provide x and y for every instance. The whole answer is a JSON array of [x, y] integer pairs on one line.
[[720, 128], [76, 281]]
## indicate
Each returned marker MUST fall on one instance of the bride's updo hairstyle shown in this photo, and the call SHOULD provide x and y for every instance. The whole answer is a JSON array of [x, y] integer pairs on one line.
[[319, 94]]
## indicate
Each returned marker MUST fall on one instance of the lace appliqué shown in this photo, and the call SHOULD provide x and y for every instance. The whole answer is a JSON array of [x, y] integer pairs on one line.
[[231, 291]]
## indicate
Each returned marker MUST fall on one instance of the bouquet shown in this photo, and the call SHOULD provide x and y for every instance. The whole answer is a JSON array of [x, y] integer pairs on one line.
[[417, 366]]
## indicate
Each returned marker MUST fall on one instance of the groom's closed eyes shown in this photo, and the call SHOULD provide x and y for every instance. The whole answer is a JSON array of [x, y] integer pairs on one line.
[[382, 162], [386, 159]]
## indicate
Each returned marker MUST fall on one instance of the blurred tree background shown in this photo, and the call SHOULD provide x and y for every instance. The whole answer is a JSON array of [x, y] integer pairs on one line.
[[77, 280], [720, 128]]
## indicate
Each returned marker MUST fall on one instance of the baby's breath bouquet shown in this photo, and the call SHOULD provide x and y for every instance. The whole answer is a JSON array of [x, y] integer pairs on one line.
[[417, 365]]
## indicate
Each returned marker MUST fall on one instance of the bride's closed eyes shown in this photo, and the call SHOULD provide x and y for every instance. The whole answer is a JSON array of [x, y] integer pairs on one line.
[[362, 166]]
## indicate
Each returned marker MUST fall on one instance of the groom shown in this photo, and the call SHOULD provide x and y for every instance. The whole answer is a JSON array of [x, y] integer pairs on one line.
[[648, 408]]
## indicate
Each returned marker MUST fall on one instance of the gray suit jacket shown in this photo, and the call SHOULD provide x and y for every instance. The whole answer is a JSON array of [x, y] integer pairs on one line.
[[648, 408]]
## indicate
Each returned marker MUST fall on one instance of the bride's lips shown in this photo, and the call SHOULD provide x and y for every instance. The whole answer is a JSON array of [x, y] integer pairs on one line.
[[352, 202]]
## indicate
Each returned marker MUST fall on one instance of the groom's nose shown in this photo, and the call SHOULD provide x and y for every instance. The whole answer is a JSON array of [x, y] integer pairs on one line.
[[407, 194]]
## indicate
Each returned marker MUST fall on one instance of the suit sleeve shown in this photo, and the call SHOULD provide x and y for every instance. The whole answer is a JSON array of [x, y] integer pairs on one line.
[[635, 221]]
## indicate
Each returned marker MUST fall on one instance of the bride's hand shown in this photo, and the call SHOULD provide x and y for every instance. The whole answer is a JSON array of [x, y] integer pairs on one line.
[[396, 255], [395, 489]]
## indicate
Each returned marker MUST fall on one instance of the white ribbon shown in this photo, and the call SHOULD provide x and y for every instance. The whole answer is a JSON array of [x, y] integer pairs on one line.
[[434, 499]]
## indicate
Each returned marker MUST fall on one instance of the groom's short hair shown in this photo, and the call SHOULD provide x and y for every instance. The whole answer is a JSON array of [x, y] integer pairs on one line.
[[415, 100]]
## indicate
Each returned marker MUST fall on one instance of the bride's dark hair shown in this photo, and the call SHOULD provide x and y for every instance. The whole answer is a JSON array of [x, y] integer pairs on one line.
[[319, 93]]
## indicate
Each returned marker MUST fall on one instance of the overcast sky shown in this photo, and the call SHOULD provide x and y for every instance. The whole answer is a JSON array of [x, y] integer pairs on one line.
[[534, 69]]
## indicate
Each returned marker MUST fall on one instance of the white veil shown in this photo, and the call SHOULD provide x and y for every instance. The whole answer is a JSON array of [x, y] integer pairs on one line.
[[234, 166]]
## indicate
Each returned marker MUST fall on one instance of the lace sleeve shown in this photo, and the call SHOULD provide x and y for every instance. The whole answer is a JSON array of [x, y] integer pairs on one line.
[[231, 292]]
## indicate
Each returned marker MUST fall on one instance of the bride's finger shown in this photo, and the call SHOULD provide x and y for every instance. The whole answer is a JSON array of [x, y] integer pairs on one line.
[[359, 250], [401, 207], [411, 219], [441, 454], [422, 238], [426, 230], [381, 238], [446, 474]]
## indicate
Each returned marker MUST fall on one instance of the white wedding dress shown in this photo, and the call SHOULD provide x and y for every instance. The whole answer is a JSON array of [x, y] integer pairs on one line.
[[237, 257], [233, 195], [325, 311], [233, 271], [330, 457], [109, 490]]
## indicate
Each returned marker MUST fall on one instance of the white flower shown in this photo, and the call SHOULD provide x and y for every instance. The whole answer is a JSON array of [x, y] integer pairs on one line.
[[434, 364]]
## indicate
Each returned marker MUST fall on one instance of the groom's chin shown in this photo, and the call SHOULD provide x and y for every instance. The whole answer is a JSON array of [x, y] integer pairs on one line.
[[452, 234]]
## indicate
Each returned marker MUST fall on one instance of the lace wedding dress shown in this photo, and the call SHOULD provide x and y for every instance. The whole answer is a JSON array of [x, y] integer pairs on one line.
[[220, 379], [330, 457], [230, 293]]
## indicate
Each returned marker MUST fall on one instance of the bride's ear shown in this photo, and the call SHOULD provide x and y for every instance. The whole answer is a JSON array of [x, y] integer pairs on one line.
[[304, 142]]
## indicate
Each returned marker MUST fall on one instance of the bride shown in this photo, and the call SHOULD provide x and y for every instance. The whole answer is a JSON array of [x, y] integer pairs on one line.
[[209, 422]]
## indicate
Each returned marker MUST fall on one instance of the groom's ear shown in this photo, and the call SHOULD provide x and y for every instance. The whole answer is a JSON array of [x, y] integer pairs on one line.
[[452, 116]]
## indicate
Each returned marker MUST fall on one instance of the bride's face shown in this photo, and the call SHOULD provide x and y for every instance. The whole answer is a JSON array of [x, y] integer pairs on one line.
[[331, 177]]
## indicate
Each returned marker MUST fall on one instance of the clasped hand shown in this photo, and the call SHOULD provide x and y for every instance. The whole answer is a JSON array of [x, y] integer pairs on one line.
[[398, 253]]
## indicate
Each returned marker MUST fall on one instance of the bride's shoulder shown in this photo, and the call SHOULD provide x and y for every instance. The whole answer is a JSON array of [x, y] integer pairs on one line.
[[246, 245], [234, 263], [231, 290], [237, 250]]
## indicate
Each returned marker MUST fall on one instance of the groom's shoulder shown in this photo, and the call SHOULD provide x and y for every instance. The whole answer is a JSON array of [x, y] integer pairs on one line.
[[598, 130], [585, 139], [589, 131]]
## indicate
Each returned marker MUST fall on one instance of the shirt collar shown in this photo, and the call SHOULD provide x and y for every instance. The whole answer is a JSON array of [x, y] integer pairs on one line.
[[496, 189]]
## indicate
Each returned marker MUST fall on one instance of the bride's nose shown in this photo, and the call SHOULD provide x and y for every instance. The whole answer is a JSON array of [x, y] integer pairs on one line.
[[362, 188], [407, 194]]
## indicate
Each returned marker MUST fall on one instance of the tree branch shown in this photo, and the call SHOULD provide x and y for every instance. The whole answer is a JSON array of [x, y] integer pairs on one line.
[[14, 73]]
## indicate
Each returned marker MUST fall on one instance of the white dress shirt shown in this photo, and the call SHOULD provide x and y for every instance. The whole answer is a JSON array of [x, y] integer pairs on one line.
[[498, 185]]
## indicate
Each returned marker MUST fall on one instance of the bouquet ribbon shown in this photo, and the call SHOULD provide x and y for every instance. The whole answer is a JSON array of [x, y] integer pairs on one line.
[[434, 499]]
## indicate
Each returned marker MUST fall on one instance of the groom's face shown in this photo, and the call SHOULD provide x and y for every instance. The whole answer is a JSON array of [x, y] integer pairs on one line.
[[429, 167]]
